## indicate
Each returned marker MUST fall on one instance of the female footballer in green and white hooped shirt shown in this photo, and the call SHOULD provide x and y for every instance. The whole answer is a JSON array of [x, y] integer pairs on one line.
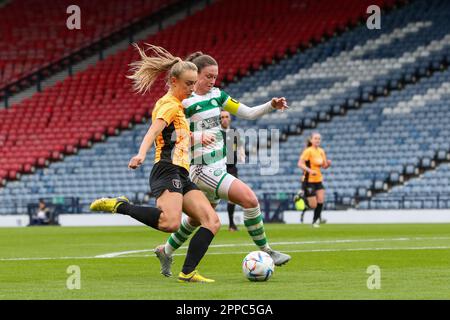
[[208, 154]]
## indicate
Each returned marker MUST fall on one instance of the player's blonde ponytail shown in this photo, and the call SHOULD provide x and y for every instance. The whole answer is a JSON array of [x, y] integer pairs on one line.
[[147, 70]]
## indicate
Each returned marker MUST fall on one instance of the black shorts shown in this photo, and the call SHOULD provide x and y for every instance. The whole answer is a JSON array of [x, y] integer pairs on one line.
[[310, 188], [233, 171], [167, 176]]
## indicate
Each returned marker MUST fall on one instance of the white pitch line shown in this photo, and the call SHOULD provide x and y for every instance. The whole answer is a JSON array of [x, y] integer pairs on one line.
[[244, 245], [120, 253], [46, 258], [315, 250], [235, 252]]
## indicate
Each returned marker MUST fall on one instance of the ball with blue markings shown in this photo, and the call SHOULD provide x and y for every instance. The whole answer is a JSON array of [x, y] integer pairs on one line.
[[258, 266]]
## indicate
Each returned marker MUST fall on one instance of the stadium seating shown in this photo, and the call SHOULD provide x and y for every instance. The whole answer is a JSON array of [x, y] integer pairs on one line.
[[349, 70], [431, 190], [322, 81], [99, 101], [100, 170], [29, 42], [375, 145], [355, 66]]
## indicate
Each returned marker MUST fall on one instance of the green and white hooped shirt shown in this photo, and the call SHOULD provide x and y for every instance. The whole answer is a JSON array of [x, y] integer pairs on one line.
[[203, 115]]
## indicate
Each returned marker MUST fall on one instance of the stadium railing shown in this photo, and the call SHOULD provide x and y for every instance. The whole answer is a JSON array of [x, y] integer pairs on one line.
[[438, 201]]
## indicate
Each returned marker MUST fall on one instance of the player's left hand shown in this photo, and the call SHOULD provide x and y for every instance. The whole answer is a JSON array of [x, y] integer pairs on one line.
[[279, 103], [208, 138]]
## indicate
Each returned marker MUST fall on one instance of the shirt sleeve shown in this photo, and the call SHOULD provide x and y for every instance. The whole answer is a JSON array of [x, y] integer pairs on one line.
[[228, 103], [305, 155], [167, 112], [222, 99]]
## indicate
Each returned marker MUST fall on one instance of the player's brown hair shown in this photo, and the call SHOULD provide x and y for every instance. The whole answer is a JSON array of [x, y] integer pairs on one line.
[[309, 139], [147, 70], [201, 60]]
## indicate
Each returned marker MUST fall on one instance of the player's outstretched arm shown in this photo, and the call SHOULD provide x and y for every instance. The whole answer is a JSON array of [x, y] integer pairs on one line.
[[240, 110], [155, 129]]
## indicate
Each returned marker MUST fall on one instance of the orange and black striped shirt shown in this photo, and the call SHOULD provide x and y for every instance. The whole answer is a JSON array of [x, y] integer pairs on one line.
[[172, 144]]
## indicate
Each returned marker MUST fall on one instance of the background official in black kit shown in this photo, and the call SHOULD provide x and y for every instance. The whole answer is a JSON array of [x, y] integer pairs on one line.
[[235, 152]]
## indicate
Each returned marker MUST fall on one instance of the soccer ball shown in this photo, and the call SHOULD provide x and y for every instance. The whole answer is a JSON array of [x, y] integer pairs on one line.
[[300, 205], [258, 266], [299, 201]]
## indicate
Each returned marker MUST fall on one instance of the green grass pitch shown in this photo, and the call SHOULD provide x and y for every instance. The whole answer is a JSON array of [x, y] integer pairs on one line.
[[330, 262]]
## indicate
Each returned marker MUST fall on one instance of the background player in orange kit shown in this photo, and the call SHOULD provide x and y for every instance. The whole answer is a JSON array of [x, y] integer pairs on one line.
[[311, 161]]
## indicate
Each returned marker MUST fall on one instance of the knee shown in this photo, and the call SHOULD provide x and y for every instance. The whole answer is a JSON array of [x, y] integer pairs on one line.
[[313, 205], [250, 200], [168, 225], [216, 224], [212, 222]]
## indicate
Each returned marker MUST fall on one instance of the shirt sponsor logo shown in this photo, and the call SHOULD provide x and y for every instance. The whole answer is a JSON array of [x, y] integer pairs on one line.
[[208, 123]]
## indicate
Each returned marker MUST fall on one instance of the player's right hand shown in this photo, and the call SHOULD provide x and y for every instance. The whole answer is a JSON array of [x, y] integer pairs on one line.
[[136, 161], [208, 138], [279, 103]]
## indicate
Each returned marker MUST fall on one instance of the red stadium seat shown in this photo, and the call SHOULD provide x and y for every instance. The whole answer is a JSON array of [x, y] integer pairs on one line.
[[33, 40], [82, 109]]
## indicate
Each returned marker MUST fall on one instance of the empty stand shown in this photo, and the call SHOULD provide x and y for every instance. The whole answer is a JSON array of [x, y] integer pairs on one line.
[[33, 33], [97, 102]]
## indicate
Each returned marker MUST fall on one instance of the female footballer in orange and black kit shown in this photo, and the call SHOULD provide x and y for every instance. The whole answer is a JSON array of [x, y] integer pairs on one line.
[[312, 159], [169, 180]]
